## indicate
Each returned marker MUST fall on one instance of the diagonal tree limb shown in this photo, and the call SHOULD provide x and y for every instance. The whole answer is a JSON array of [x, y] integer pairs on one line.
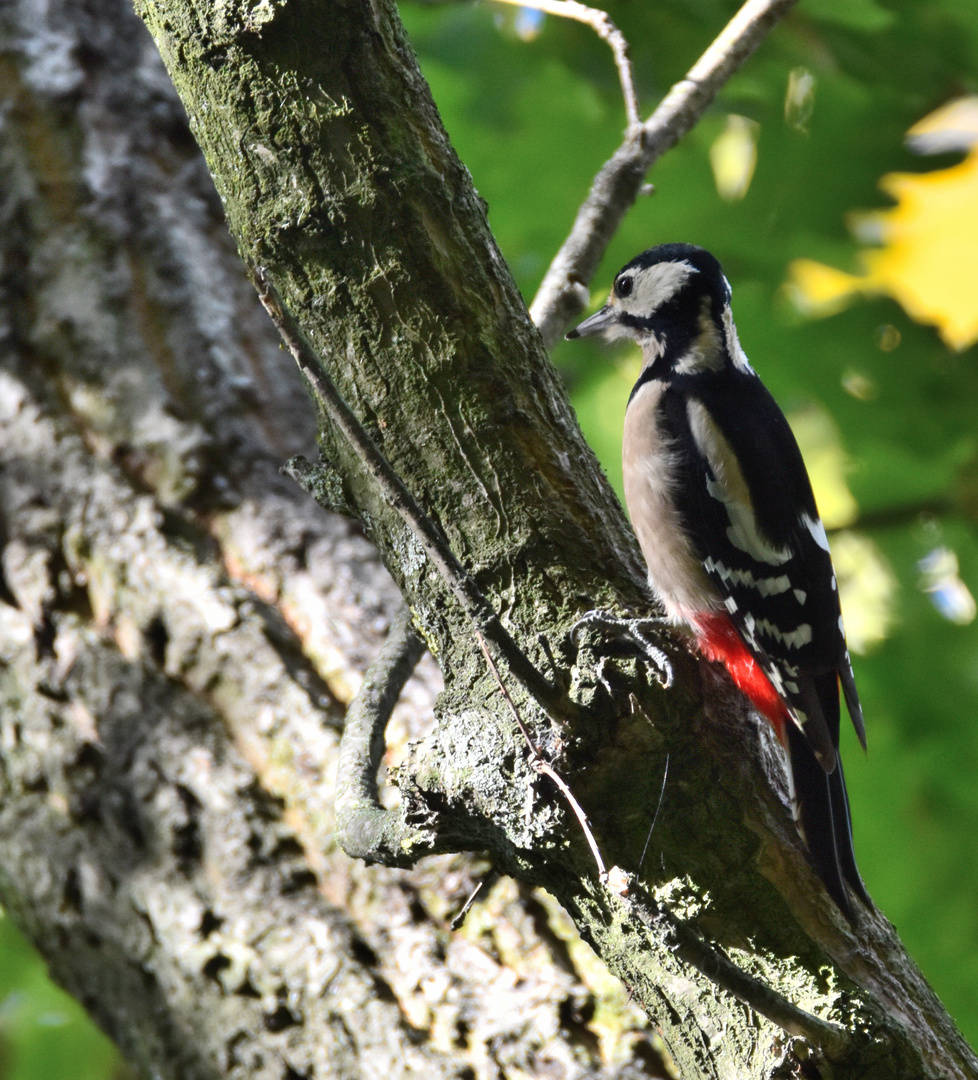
[[563, 291], [431, 539], [680, 938]]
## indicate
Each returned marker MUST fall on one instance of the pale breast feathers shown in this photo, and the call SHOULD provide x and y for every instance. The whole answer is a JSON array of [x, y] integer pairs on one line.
[[651, 474]]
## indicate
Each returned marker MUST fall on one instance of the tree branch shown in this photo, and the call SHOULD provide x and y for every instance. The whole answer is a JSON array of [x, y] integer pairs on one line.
[[364, 829], [430, 538], [181, 630], [563, 292]]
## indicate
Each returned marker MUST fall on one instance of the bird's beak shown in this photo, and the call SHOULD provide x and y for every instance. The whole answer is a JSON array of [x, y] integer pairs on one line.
[[599, 323]]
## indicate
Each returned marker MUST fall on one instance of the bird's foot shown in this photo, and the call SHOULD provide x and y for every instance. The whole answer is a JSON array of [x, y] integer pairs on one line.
[[636, 632]]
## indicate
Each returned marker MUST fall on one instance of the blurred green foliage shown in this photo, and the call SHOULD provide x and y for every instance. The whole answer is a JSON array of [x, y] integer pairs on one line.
[[535, 115], [44, 1033]]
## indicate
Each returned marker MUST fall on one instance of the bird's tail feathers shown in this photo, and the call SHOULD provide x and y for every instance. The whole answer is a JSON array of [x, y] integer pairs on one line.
[[821, 809], [852, 700]]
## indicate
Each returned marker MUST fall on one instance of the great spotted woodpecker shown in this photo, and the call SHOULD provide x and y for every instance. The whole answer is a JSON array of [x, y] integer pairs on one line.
[[724, 512]]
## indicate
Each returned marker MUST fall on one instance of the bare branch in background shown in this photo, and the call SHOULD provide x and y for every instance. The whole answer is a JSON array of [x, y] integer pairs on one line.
[[602, 25], [563, 291]]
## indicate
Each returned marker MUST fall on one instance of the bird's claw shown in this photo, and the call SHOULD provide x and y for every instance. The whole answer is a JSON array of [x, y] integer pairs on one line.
[[632, 630]]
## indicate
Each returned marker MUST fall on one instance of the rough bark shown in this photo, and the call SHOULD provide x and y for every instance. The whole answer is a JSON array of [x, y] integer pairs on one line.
[[179, 640], [181, 629]]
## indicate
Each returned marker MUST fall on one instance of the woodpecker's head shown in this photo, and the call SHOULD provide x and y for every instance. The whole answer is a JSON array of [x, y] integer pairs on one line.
[[674, 302]]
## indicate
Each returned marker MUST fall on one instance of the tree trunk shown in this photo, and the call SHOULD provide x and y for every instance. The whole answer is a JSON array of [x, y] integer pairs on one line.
[[182, 629]]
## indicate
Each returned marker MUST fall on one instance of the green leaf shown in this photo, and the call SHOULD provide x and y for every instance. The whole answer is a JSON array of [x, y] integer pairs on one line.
[[864, 15]]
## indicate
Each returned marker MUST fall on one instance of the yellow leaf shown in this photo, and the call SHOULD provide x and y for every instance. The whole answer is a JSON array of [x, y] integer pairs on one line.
[[928, 258], [818, 290]]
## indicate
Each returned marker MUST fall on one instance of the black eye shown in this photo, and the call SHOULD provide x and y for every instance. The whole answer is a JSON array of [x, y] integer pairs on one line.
[[623, 286]]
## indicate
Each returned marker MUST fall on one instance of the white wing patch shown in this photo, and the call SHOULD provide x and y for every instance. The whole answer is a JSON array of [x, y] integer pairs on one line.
[[744, 534], [766, 586], [794, 639], [730, 488]]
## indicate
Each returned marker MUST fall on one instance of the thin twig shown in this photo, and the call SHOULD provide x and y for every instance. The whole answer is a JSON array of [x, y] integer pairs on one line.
[[541, 766], [393, 489], [563, 292], [602, 25], [484, 885], [534, 749], [655, 816]]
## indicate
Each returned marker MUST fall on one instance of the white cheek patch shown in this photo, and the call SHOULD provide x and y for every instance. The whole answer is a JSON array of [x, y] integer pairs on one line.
[[616, 331], [656, 286]]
